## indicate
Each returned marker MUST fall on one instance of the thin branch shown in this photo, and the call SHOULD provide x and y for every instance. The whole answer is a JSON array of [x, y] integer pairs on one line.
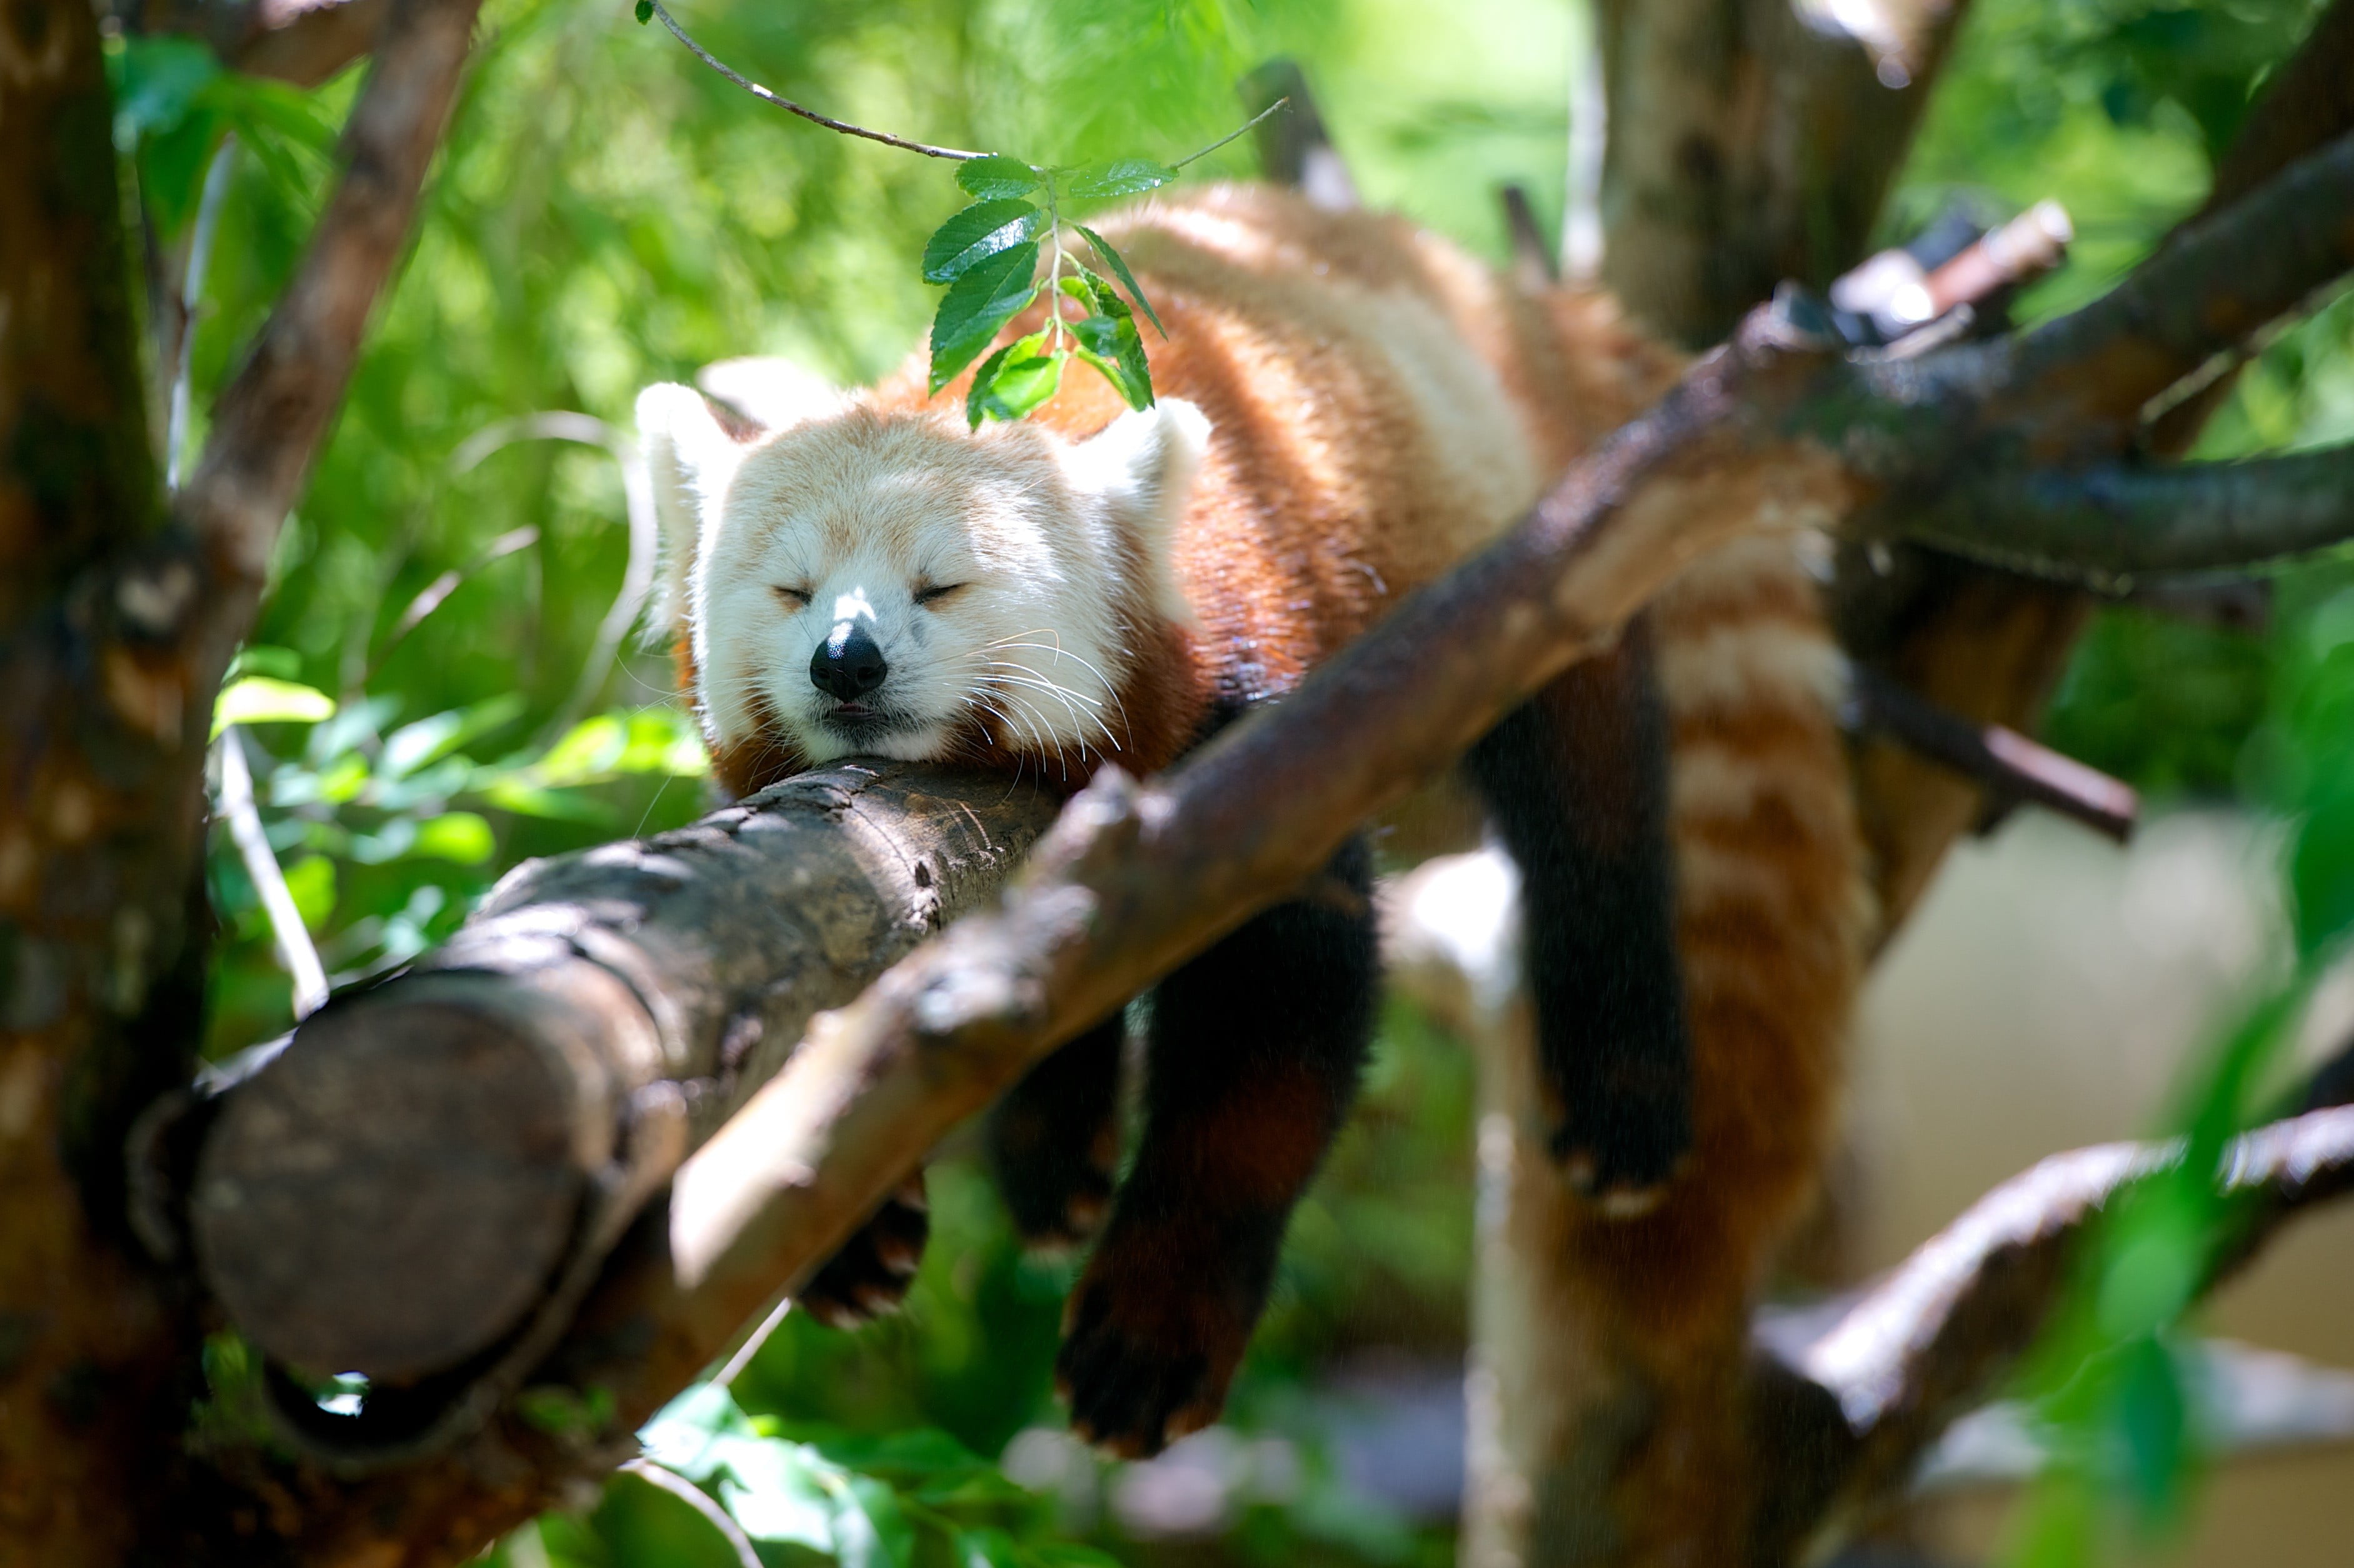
[[790, 107], [1245, 128], [192, 291], [2104, 527], [1927, 1343], [2208, 289], [294, 947], [269, 422], [701, 1501], [2008, 763]]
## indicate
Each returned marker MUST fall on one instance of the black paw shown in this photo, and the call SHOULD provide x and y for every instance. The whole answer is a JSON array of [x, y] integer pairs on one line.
[[1624, 1161], [869, 1276], [1137, 1382], [1056, 1204]]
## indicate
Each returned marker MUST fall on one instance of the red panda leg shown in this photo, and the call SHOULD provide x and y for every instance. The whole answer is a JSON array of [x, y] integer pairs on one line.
[[1576, 781], [869, 1276], [1254, 1052], [1053, 1140]]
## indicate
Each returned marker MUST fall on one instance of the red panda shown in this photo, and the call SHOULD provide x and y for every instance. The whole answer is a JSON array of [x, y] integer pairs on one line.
[[1348, 406]]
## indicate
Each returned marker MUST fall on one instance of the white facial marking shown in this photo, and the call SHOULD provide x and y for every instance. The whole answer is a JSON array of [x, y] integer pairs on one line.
[[1034, 558]]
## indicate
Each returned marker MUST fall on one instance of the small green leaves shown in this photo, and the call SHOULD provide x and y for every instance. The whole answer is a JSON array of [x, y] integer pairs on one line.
[[996, 176], [259, 699], [1121, 176], [1111, 258], [646, 11], [1109, 341], [973, 235], [978, 304], [1014, 380]]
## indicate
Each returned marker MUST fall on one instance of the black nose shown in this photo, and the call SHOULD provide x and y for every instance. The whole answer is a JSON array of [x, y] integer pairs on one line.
[[847, 664]]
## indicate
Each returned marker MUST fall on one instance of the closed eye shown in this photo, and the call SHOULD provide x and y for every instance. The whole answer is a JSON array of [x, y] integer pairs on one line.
[[794, 598], [938, 591]]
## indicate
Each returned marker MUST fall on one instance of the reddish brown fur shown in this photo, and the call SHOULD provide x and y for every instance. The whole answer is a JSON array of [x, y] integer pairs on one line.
[[1323, 499]]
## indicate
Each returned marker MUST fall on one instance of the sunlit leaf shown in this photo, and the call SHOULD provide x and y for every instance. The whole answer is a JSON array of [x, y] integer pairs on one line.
[[1014, 380], [460, 836], [311, 882], [996, 176], [1121, 176], [259, 699], [1119, 265], [978, 305], [976, 234]]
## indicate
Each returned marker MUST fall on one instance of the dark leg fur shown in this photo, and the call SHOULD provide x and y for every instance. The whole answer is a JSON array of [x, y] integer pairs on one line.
[[1576, 781], [1054, 1142], [1254, 1053], [870, 1275]]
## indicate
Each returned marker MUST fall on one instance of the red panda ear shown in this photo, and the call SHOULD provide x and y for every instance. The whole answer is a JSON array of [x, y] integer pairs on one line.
[[772, 393], [690, 457], [1142, 466]]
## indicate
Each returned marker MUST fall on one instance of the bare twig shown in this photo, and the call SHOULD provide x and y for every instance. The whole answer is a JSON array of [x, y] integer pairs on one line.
[[701, 1501], [269, 422], [790, 107], [294, 947], [638, 501], [192, 292], [431, 596], [2009, 764]]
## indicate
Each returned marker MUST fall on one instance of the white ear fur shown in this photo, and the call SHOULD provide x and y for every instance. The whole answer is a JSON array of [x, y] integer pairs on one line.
[[768, 391], [690, 457], [1142, 465]]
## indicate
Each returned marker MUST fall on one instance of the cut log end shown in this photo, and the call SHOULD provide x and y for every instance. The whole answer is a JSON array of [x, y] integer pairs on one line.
[[395, 1192]]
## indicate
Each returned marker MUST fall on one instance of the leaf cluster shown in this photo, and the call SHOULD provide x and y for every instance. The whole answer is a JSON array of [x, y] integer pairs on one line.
[[988, 254]]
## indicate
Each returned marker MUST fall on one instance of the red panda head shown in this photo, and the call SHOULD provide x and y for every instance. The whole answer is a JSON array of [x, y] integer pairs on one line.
[[855, 582]]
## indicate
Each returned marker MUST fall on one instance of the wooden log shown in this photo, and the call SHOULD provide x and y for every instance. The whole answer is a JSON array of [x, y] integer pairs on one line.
[[400, 1188]]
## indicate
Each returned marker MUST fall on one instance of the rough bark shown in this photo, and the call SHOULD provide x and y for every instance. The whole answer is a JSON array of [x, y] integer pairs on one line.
[[1750, 143], [118, 620], [300, 41], [394, 1193], [1928, 1343]]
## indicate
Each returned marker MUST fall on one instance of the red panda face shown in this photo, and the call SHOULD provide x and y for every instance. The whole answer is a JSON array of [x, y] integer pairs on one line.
[[896, 585]]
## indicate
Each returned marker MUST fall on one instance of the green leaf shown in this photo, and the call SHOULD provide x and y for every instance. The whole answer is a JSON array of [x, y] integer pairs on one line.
[[985, 1549], [646, 11], [638, 1521], [311, 882], [997, 175], [1017, 379], [977, 305], [460, 836], [1109, 341], [1121, 176], [157, 82], [981, 231], [261, 659], [1112, 259], [259, 699]]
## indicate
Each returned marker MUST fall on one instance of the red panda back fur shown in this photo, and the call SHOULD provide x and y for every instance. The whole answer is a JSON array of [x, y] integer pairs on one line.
[[1318, 505], [1331, 487]]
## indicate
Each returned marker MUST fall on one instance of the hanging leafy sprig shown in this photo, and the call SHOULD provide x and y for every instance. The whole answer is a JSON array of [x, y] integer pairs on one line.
[[989, 254]]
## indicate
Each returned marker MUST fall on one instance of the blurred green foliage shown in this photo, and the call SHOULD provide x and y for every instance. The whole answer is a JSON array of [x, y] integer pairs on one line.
[[609, 213]]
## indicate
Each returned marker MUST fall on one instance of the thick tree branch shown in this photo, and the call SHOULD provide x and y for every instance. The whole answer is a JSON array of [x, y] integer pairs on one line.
[[540, 1058], [300, 41], [2103, 527], [1930, 1341], [1749, 144]]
